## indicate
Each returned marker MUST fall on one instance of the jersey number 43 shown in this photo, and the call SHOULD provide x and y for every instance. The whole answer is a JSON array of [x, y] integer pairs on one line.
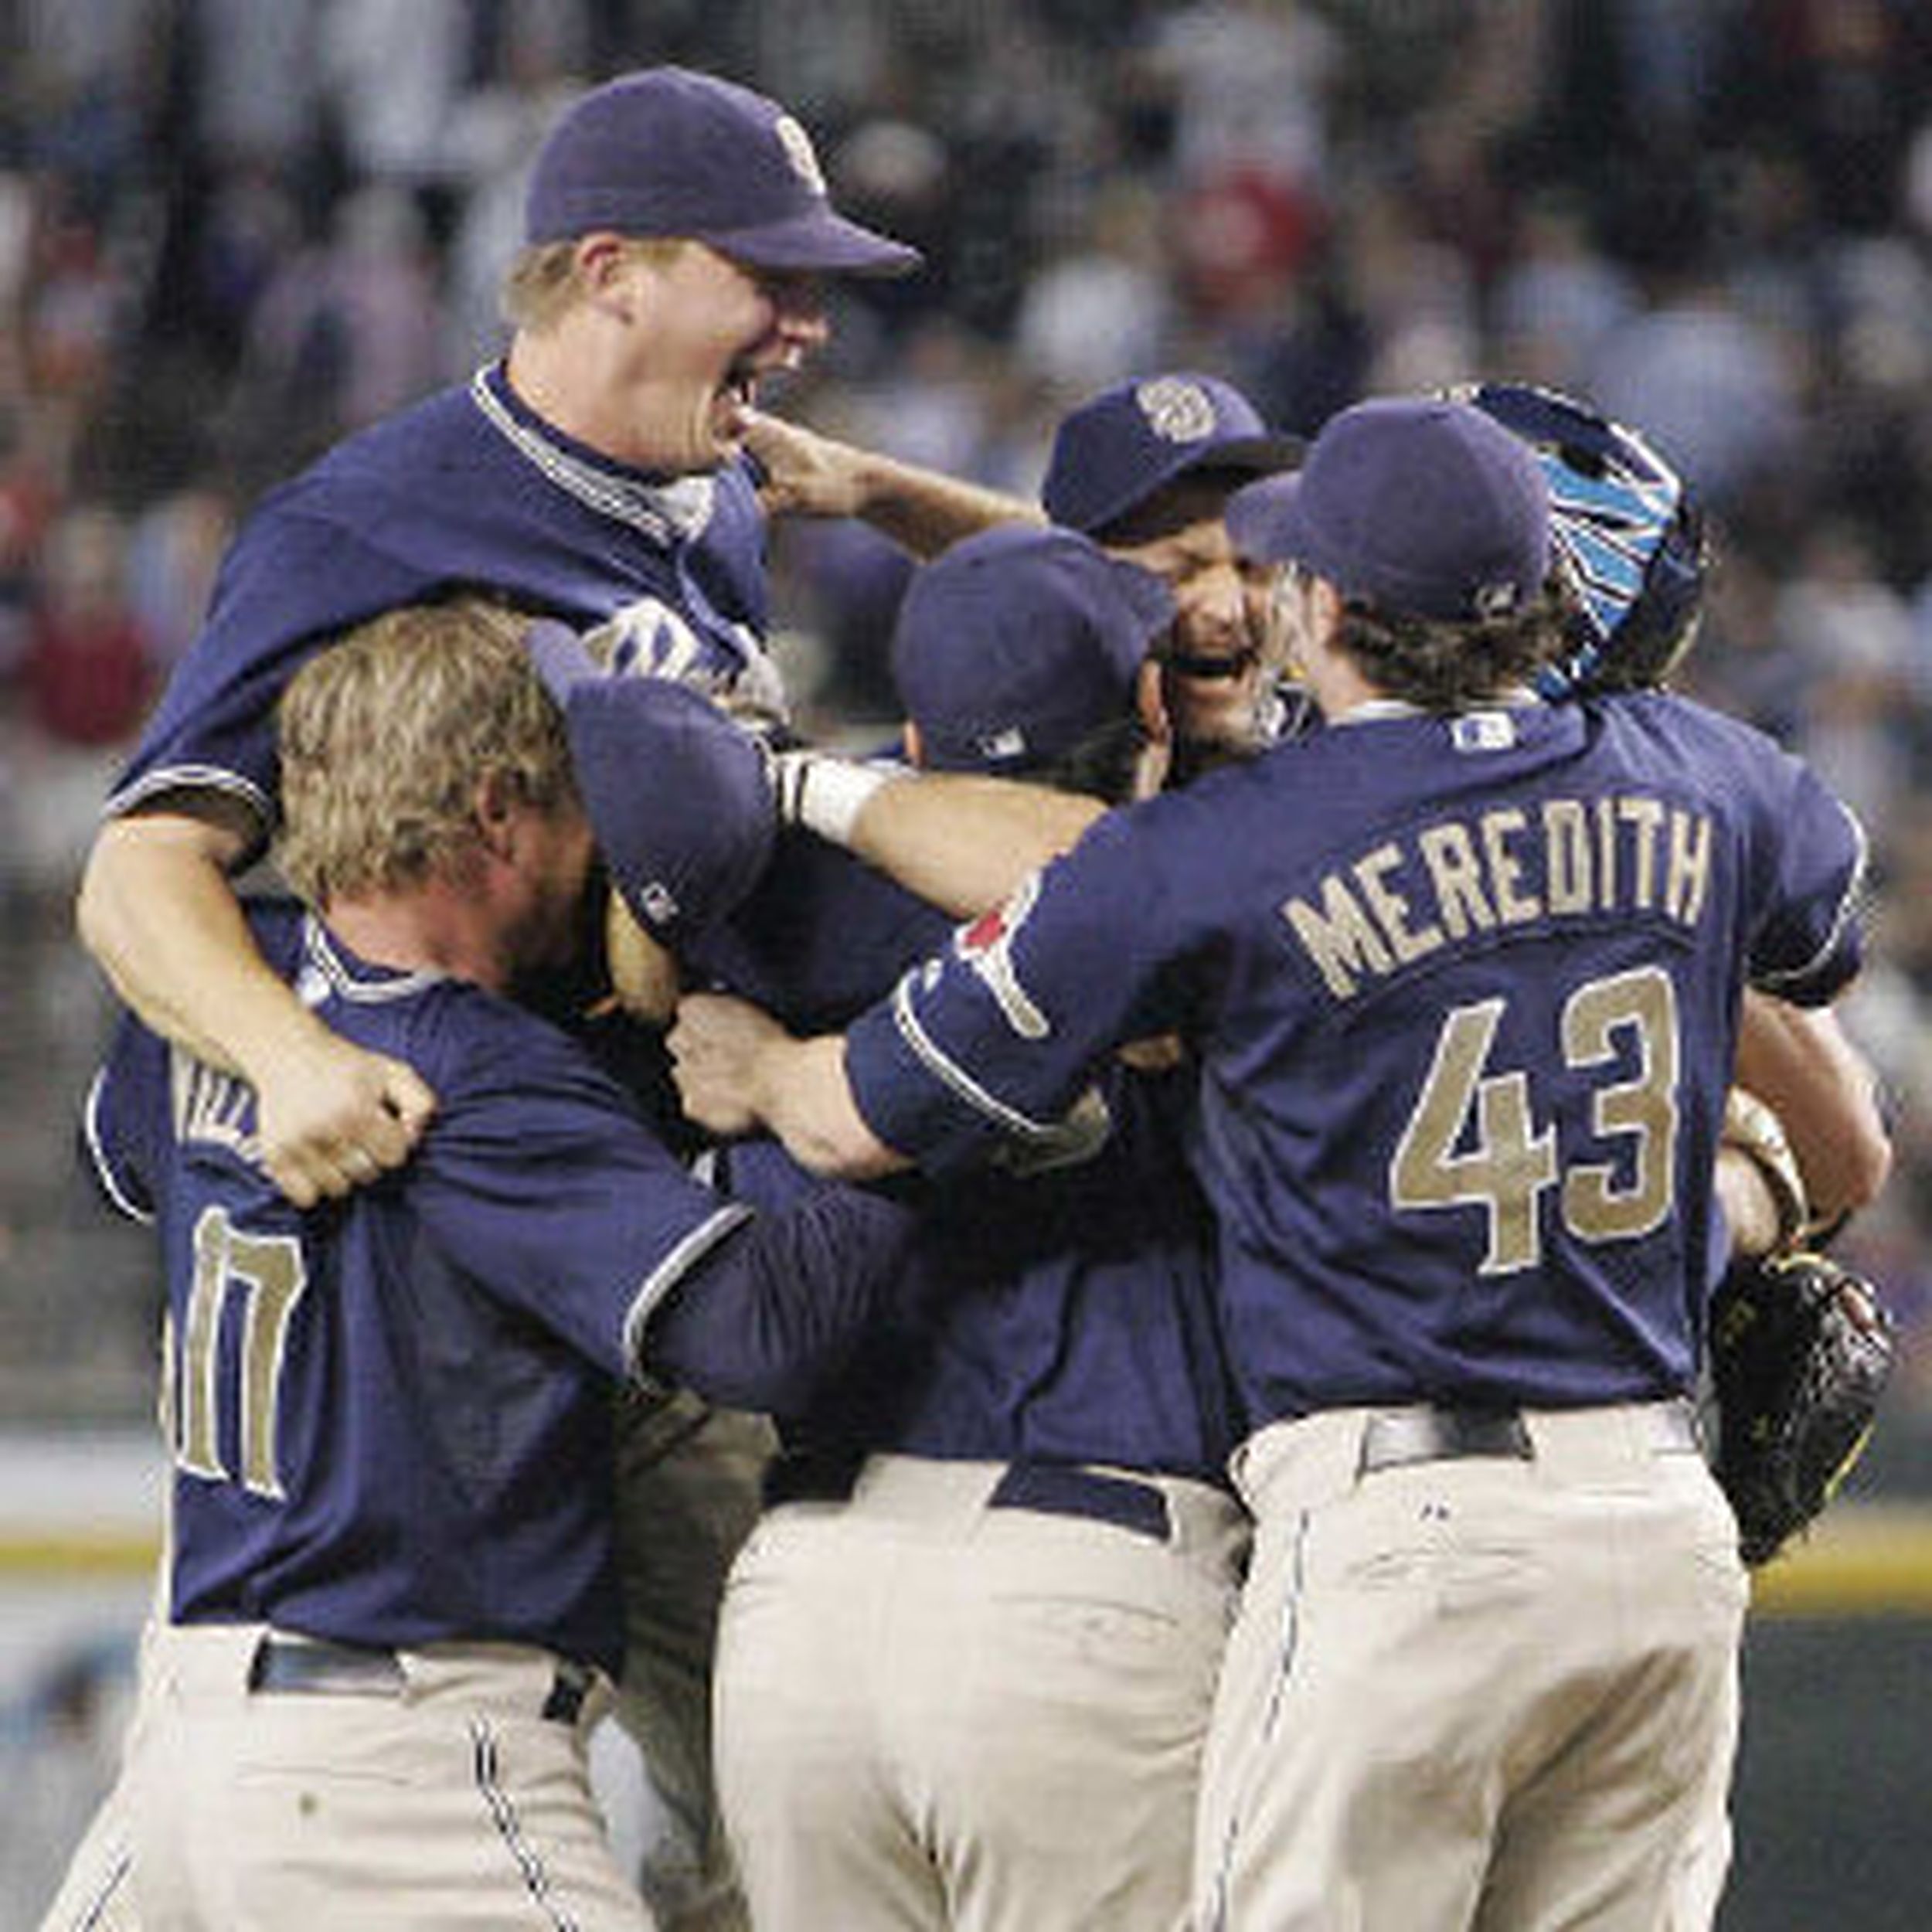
[[1471, 1139]]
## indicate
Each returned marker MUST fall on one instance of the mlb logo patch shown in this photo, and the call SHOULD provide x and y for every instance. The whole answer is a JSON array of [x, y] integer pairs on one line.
[[1483, 731], [998, 746]]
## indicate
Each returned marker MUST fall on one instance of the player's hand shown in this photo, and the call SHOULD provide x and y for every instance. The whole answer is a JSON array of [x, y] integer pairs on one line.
[[805, 473], [644, 972], [332, 1118], [717, 1051]]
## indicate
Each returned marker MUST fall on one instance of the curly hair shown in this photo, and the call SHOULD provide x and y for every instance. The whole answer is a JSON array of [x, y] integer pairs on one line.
[[386, 735], [1445, 667]]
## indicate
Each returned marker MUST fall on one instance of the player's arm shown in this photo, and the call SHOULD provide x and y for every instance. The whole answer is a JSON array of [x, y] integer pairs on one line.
[[778, 1306], [157, 912], [958, 840], [983, 1048], [740, 1072], [806, 474], [1800, 1062]]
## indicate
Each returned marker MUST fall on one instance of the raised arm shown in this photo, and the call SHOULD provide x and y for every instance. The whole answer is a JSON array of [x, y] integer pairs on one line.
[[923, 511], [158, 914], [959, 841]]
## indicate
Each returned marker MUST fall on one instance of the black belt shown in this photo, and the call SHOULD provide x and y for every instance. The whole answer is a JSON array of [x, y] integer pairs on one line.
[[1053, 1489], [305, 1667], [1065, 1489], [1395, 1437]]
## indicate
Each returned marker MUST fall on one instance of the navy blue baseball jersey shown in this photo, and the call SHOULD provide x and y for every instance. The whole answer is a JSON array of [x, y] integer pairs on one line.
[[1465, 992], [1066, 1315], [468, 488], [390, 1416]]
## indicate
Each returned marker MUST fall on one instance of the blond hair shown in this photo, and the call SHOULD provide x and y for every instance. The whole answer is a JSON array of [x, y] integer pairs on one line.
[[544, 282], [386, 736]]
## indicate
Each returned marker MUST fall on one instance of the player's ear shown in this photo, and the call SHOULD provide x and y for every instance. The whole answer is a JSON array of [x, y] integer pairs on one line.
[[1150, 703], [601, 261], [492, 806]]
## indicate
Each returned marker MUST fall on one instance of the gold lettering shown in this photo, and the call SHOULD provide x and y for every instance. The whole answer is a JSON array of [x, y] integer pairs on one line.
[[1340, 938], [1391, 907], [1566, 840], [1456, 873], [1689, 876], [1644, 816], [1505, 869]]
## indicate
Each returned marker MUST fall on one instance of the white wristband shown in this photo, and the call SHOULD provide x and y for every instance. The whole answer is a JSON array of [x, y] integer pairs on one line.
[[825, 794]]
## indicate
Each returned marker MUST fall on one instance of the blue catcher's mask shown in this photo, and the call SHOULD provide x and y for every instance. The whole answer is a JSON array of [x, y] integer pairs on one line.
[[1628, 531]]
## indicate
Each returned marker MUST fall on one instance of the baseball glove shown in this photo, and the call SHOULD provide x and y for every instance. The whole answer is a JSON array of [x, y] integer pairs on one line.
[[1800, 1351]]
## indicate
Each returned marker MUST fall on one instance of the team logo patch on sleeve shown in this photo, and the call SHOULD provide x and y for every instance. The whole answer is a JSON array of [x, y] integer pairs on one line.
[[987, 947]]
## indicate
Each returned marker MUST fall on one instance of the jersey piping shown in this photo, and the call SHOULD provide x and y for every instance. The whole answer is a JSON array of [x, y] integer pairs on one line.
[[667, 514], [672, 1269]]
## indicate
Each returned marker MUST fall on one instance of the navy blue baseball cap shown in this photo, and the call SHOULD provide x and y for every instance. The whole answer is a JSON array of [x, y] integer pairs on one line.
[[677, 794], [1424, 507], [1013, 644], [1112, 454], [669, 151]]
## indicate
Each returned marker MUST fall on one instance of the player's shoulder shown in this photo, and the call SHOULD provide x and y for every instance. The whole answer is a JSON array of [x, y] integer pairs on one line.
[[1708, 749], [395, 458]]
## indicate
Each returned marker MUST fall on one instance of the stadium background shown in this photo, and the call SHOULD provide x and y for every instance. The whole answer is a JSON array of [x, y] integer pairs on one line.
[[231, 230]]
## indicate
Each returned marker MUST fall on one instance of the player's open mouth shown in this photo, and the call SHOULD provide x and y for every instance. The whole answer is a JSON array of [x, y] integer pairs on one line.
[[737, 397]]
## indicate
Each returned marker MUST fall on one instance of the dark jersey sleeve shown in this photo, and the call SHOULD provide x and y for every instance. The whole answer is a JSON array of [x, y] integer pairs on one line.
[[993, 1038], [123, 1119], [771, 1313], [540, 1182], [1808, 947], [291, 581]]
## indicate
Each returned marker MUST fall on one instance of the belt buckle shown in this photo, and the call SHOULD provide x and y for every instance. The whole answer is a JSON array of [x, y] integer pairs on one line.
[[313, 1667], [1394, 1438]]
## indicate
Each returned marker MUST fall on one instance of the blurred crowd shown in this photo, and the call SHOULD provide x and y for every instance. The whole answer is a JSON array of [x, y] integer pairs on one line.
[[233, 230]]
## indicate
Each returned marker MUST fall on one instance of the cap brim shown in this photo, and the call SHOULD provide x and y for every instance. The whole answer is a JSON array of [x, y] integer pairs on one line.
[[1263, 455], [1262, 519], [820, 243], [560, 659]]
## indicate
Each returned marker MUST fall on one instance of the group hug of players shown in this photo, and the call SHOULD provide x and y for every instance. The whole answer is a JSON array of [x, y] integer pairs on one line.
[[1092, 1321]]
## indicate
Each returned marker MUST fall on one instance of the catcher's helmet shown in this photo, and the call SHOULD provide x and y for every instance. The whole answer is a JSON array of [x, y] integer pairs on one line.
[[1628, 530]]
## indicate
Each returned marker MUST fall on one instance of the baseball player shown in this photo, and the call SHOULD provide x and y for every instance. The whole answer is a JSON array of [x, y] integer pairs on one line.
[[967, 1658], [1146, 469], [677, 232], [392, 1593], [1464, 971]]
